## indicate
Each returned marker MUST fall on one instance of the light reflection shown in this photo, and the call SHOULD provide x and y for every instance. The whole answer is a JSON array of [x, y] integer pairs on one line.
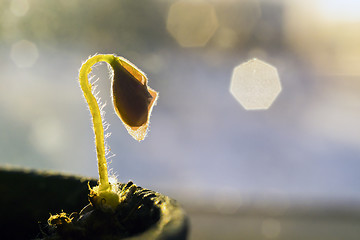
[[345, 10], [192, 24], [47, 136], [19, 7], [237, 21], [255, 84], [328, 43], [24, 53], [257, 52]]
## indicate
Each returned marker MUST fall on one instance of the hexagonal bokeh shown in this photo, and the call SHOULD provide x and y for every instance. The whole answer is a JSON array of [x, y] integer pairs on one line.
[[192, 24], [255, 84]]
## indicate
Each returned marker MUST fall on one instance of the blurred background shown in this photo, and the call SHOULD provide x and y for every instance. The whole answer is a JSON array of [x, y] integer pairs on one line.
[[289, 172]]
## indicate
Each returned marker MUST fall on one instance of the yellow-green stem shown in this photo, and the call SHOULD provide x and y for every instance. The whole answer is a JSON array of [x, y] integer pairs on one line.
[[104, 184]]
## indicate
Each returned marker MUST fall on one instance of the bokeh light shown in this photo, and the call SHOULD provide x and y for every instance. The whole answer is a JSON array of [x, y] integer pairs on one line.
[[255, 84], [236, 23], [24, 53], [48, 136], [328, 38], [192, 23], [19, 7], [290, 172]]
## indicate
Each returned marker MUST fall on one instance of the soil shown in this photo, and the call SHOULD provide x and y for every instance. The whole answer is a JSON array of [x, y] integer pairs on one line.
[[30, 197]]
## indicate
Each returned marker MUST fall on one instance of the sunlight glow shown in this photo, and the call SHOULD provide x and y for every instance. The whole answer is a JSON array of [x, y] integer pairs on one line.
[[326, 36], [24, 53], [192, 24], [345, 10], [255, 84], [19, 7], [47, 135]]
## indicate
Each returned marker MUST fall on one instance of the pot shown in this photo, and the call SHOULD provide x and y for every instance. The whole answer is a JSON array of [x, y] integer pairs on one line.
[[30, 196]]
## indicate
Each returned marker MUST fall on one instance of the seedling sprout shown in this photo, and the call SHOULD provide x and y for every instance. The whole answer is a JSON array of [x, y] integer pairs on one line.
[[133, 101]]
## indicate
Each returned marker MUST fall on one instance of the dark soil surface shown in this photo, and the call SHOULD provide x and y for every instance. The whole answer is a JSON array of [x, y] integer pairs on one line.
[[30, 197]]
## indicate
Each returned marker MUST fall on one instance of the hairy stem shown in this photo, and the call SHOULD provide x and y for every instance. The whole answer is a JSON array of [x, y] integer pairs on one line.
[[85, 85]]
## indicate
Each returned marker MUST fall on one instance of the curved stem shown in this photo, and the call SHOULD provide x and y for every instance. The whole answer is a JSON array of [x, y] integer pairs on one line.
[[104, 184]]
